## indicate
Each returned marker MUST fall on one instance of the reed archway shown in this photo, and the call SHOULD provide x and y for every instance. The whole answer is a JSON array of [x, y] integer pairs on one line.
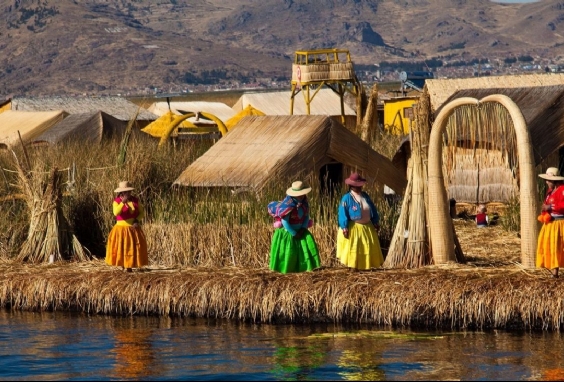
[[440, 224], [178, 120]]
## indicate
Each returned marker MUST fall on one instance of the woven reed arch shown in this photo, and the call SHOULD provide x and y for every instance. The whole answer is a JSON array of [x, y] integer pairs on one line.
[[442, 238], [178, 120]]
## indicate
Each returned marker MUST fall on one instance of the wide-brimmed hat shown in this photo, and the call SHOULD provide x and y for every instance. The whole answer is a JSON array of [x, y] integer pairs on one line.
[[552, 173], [298, 188], [124, 186], [355, 180]]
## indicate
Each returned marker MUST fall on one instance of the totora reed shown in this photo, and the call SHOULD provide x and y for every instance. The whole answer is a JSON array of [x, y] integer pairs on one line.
[[490, 291], [208, 252]]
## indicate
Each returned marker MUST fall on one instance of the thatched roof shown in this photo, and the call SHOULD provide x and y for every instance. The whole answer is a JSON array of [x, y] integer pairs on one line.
[[29, 124], [117, 107], [325, 102], [87, 128], [261, 149], [542, 108], [218, 109], [442, 89]]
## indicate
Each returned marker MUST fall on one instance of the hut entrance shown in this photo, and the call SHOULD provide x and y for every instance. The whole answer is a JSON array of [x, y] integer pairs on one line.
[[331, 178]]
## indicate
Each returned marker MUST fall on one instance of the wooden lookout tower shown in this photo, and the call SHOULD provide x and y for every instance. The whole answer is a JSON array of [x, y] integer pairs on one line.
[[331, 67]]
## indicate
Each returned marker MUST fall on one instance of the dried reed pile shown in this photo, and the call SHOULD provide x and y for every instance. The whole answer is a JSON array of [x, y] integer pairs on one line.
[[50, 237], [410, 246]]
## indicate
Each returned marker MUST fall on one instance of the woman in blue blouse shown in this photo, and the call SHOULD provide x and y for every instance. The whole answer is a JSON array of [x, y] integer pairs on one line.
[[357, 240], [293, 248]]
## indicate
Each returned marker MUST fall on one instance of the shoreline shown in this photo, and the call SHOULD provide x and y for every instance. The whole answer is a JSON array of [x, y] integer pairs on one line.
[[454, 297]]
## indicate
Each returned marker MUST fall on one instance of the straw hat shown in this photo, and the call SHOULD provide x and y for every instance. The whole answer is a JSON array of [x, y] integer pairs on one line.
[[298, 189], [552, 173], [355, 180], [126, 186]]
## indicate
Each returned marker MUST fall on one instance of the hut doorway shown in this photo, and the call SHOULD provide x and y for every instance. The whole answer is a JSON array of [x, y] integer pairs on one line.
[[331, 178]]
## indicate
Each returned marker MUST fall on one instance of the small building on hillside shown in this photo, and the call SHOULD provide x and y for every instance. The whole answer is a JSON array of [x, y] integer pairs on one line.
[[262, 150], [85, 128], [117, 107]]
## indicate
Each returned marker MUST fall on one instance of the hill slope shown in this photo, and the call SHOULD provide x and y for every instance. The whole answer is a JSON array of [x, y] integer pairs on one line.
[[118, 46]]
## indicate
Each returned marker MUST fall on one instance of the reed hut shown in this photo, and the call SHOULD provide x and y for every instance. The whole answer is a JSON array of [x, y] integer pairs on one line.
[[26, 125], [325, 102], [263, 149], [87, 128], [480, 162], [118, 107], [484, 135]]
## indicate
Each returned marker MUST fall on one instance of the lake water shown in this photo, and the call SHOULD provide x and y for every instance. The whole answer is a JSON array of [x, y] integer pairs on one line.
[[64, 346]]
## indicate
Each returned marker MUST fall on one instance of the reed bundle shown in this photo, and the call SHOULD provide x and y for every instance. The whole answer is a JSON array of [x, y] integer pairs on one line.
[[370, 120], [410, 244], [50, 237]]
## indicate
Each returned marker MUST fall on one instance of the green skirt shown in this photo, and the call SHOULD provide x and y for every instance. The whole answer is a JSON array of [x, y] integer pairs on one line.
[[290, 255]]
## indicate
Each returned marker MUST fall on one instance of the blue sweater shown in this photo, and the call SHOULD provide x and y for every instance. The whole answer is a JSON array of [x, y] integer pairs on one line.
[[350, 210]]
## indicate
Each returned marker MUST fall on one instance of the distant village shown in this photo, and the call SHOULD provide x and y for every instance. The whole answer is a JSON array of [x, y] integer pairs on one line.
[[382, 72]]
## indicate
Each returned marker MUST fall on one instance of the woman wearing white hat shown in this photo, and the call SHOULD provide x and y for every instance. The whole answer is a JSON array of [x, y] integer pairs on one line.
[[550, 248], [293, 248], [127, 245]]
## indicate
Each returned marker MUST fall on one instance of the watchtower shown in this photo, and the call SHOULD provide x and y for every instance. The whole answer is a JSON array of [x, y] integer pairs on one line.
[[312, 69]]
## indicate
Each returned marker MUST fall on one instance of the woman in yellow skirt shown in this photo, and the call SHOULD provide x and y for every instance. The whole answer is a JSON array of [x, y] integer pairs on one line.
[[357, 240], [550, 248], [127, 246]]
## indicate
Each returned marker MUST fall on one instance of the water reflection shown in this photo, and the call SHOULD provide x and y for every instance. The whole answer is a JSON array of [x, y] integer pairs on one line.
[[133, 350], [47, 346]]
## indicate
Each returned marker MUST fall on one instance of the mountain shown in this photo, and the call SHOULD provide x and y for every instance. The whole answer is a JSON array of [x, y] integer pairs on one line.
[[133, 47]]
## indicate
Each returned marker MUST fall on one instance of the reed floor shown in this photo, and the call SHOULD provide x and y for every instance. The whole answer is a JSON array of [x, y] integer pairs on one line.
[[492, 290]]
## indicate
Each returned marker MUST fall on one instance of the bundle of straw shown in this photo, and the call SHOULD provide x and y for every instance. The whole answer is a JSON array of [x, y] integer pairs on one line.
[[410, 245], [50, 237]]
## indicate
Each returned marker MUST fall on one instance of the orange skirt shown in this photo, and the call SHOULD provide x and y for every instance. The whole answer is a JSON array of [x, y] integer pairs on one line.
[[550, 248], [127, 247]]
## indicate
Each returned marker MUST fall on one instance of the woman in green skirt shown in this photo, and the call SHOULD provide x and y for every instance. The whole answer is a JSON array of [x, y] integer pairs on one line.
[[293, 248]]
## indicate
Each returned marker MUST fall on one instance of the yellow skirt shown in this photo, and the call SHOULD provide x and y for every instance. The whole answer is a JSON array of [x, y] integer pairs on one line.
[[550, 248], [127, 247], [362, 249]]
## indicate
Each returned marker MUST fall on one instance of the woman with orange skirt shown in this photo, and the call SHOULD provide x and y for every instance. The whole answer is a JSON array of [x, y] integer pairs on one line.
[[550, 248], [127, 246]]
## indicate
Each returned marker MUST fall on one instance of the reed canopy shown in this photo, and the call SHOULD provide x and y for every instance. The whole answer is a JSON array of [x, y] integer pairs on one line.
[[262, 149]]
